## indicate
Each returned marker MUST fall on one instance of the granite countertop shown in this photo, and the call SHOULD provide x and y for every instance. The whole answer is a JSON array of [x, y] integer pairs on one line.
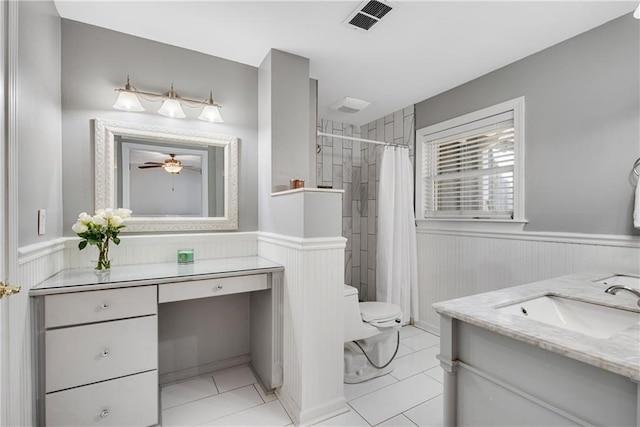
[[619, 353], [83, 279]]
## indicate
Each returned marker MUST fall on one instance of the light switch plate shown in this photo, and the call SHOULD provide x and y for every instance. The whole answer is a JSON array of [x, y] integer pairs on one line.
[[41, 221]]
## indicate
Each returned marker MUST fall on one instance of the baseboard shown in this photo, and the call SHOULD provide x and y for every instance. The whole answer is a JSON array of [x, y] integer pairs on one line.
[[197, 371], [313, 415], [324, 411], [289, 405], [434, 329]]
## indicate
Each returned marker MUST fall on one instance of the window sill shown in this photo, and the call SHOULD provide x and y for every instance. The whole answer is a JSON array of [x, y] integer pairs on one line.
[[475, 225]]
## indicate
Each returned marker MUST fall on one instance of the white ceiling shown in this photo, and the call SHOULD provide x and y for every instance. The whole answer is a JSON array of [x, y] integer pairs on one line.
[[422, 48]]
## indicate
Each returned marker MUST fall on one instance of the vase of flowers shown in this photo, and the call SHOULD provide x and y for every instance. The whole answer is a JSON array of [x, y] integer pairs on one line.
[[99, 229]]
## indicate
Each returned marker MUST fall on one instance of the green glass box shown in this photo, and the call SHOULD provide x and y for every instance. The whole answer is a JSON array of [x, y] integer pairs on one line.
[[185, 256]]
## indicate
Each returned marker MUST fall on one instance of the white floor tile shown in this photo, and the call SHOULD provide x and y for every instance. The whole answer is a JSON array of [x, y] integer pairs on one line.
[[232, 378], [353, 391], [407, 331], [180, 393], [421, 341], [428, 414], [211, 408], [414, 363], [397, 421], [348, 419], [436, 373], [396, 398], [270, 414], [403, 350]]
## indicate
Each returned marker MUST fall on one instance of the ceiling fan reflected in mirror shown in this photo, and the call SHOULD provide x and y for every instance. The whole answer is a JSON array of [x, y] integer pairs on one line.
[[171, 165]]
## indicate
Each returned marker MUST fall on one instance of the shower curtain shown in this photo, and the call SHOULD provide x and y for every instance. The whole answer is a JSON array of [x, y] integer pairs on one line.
[[396, 258]]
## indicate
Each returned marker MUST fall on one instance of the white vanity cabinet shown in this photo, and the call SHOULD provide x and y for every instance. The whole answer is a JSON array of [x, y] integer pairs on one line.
[[96, 337], [97, 358]]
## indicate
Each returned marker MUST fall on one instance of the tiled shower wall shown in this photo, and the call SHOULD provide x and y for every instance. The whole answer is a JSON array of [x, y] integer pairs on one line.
[[355, 167]]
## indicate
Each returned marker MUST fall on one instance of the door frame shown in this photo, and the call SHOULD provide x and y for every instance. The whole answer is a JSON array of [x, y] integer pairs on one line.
[[10, 389]]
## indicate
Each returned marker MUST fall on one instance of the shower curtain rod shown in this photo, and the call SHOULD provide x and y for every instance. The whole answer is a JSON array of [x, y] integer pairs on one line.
[[371, 141]]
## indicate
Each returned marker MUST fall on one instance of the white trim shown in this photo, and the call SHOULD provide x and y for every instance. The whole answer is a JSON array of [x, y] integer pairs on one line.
[[421, 324], [38, 250], [549, 236], [516, 105], [302, 243], [12, 142], [5, 41], [463, 225], [105, 132], [306, 190]]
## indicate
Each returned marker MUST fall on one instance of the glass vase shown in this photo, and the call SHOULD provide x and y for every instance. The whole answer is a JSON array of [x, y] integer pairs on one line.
[[104, 263]]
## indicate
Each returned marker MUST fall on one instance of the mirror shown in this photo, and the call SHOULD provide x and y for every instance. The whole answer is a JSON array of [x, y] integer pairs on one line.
[[172, 179]]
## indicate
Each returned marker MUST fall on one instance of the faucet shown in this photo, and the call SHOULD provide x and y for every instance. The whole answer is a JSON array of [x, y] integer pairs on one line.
[[615, 288]]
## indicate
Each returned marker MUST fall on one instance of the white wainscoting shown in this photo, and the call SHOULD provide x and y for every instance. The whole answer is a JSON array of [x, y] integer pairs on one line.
[[143, 249], [35, 264], [454, 264], [312, 324]]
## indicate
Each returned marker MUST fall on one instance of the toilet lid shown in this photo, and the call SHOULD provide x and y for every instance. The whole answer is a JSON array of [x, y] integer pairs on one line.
[[376, 311]]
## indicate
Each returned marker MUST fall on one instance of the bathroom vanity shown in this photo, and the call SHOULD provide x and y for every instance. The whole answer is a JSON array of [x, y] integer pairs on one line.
[[504, 367], [96, 334]]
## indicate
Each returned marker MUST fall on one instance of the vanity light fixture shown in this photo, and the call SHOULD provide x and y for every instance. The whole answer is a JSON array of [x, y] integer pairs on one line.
[[128, 100]]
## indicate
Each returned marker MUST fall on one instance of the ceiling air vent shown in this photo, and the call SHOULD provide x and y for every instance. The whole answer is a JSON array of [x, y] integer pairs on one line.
[[350, 105], [368, 14]]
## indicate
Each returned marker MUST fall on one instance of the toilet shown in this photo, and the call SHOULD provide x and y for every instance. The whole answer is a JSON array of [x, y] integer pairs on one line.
[[374, 326]]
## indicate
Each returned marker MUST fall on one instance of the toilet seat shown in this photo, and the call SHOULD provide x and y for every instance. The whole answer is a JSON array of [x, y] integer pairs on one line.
[[380, 314]]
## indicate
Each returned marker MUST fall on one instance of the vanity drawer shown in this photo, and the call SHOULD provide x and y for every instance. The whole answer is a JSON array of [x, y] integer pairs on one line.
[[97, 306], [81, 355], [211, 287], [128, 401]]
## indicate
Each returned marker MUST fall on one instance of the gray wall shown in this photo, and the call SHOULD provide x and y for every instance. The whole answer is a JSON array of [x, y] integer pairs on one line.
[[95, 61], [287, 98], [38, 121], [582, 126]]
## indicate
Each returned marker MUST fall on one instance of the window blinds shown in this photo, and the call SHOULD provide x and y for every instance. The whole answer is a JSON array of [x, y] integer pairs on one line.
[[468, 170]]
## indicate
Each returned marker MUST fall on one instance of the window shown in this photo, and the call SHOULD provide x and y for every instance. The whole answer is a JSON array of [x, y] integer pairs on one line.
[[471, 167]]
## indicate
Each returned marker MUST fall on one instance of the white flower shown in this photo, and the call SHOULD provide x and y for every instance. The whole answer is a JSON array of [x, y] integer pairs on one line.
[[115, 220], [108, 213], [99, 220], [122, 212], [79, 227], [85, 218]]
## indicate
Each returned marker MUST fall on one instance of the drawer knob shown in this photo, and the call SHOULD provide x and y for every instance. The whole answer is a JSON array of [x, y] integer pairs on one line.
[[217, 288], [105, 352], [104, 413], [104, 306]]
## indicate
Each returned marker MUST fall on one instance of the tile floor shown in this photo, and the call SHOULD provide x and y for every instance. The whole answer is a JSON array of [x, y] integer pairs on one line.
[[411, 395]]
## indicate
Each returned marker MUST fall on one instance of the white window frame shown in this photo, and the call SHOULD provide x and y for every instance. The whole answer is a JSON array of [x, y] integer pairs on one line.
[[517, 106]]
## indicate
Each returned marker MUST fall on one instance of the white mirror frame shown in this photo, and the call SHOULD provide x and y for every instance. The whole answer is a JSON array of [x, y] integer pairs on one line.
[[105, 133]]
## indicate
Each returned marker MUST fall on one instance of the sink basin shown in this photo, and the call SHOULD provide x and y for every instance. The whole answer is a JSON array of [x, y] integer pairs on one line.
[[595, 320]]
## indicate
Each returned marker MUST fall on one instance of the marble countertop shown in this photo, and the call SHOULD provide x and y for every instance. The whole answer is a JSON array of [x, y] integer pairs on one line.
[[83, 279], [619, 353]]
